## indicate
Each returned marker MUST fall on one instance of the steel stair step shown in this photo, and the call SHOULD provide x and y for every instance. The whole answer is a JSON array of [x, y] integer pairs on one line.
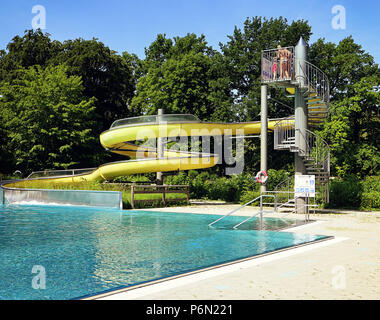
[[315, 102], [318, 112], [319, 172], [315, 122], [317, 108], [314, 97], [311, 118]]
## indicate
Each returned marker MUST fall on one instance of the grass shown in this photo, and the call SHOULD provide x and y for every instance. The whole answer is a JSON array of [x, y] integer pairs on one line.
[[123, 188]]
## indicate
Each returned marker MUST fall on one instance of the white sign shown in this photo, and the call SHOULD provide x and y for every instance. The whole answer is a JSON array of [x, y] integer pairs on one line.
[[304, 186]]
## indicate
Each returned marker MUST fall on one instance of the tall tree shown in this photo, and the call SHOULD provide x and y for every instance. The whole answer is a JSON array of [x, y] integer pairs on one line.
[[105, 75], [48, 121], [180, 76], [34, 48], [352, 128]]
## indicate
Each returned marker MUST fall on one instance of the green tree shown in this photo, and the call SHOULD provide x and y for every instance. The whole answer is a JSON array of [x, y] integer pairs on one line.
[[345, 64], [34, 48], [352, 128], [48, 122], [181, 76], [105, 75]]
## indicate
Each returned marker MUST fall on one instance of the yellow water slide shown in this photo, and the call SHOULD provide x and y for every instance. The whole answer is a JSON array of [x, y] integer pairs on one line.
[[129, 137]]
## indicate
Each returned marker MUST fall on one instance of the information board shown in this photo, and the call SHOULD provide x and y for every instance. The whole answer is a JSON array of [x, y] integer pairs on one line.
[[304, 186]]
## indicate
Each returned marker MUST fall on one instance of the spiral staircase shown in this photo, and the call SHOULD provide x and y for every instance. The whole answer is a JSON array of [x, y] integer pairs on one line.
[[313, 150]]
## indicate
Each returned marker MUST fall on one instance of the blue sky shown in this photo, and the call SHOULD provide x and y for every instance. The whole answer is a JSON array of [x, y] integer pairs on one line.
[[132, 25]]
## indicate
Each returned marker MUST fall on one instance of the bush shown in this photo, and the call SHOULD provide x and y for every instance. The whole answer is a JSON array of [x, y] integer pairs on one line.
[[131, 178], [345, 193], [250, 195], [179, 179], [275, 177], [354, 193], [371, 183], [370, 200], [227, 189]]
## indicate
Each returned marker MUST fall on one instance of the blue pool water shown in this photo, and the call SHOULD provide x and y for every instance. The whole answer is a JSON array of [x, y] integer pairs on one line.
[[84, 251]]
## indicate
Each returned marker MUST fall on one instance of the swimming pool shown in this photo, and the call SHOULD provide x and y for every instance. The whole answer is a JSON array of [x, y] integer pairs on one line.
[[81, 251]]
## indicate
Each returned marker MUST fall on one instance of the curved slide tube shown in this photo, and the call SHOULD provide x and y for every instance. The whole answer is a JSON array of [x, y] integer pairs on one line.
[[120, 137]]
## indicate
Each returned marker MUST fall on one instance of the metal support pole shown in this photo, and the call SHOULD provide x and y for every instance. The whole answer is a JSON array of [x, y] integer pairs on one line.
[[261, 213], [300, 118], [160, 148], [264, 132]]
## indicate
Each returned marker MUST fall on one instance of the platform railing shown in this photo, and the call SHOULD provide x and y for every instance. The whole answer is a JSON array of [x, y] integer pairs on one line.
[[277, 65]]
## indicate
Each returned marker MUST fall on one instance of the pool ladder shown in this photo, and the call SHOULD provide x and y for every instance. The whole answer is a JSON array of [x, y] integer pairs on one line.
[[261, 212]]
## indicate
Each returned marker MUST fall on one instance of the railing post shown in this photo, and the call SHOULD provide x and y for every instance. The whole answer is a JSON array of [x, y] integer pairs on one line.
[[261, 213], [163, 195], [275, 202], [132, 197]]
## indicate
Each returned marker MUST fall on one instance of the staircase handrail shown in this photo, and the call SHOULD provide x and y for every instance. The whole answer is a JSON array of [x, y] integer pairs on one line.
[[315, 78], [322, 155], [284, 127]]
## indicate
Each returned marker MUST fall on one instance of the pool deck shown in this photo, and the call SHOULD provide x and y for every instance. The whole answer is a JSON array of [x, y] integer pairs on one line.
[[346, 267]]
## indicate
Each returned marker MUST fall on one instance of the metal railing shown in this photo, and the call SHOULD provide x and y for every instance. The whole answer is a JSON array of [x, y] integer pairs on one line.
[[277, 65], [58, 173], [314, 147], [244, 205], [154, 119], [318, 149], [316, 81], [284, 133]]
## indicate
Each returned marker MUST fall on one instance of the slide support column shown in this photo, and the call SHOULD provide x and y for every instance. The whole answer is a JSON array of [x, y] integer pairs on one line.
[[264, 132], [160, 148]]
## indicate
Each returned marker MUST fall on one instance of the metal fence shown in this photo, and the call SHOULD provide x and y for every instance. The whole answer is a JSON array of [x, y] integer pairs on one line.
[[59, 173], [277, 65]]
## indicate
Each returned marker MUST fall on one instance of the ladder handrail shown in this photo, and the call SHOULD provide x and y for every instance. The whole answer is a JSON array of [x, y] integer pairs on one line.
[[249, 218], [244, 205], [288, 202]]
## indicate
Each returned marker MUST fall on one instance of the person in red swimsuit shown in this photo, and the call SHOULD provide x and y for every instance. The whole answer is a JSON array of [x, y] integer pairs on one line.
[[274, 69]]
